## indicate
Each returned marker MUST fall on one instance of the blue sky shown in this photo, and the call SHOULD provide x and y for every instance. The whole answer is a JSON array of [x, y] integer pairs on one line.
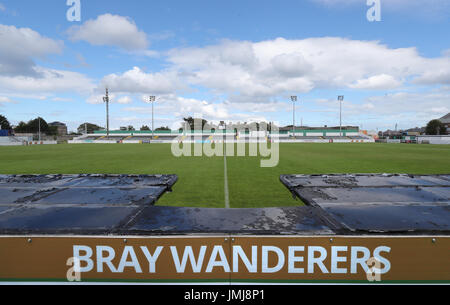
[[226, 60]]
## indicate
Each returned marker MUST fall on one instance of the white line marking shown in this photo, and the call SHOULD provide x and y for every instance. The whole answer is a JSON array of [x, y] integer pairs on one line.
[[227, 197]]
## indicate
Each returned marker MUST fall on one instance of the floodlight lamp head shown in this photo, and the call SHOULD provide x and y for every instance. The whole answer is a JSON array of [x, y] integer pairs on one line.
[[341, 98], [294, 98]]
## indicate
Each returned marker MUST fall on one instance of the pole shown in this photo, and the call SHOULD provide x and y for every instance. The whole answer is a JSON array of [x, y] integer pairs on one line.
[[107, 114], [293, 117], [39, 120], [294, 99], [106, 100], [340, 98], [153, 121], [152, 99], [340, 119]]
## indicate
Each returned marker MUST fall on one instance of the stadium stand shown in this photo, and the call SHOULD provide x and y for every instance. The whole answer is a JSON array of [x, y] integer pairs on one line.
[[358, 138], [313, 135]]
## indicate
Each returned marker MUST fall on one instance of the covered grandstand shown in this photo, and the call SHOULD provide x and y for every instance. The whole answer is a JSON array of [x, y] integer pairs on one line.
[[304, 135]]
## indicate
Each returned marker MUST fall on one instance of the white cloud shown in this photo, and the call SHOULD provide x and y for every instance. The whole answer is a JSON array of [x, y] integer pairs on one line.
[[438, 72], [2, 7], [291, 65], [377, 82], [113, 99], [110, 30], [25, 96], [251, 77], [49, 81], [411, 104], [406, 102], [125, 100], [20, 75], [270, 68], [98, 99], [61, 99], [147, 53], [267, 107], [5, 99], [18, 48], [178, 107], [137, 81], [408, 109]]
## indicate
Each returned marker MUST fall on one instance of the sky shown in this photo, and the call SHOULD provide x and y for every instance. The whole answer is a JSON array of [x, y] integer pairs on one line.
[[233, 61]]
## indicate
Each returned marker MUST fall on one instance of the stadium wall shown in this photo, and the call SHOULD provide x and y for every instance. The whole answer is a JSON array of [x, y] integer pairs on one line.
[[199, 136], [14, 141], [81, 141], [240, 140], [433, 139]]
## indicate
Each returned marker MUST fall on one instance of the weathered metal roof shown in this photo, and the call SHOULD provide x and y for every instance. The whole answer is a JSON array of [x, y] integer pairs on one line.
[[377, 203], [123, 205], [173, 220], [77, 204]]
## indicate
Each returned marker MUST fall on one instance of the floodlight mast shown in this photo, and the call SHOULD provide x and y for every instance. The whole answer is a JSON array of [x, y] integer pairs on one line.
[[106, 100], [39, 123], [340, 99], [294, 99], [152, 100]]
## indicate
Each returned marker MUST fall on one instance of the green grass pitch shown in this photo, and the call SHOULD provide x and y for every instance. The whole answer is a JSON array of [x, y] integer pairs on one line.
[[201, 179]]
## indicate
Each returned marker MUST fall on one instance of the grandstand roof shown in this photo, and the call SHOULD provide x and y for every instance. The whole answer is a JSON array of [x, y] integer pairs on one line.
[[76, 204], [326, 128], [377, 203], [218, 131], [160, 132]]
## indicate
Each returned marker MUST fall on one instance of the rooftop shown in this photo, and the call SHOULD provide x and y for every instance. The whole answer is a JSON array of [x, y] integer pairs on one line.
[[56, 124], [445, 119]]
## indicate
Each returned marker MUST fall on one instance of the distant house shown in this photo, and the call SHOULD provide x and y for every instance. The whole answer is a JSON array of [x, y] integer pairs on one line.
[[60, 127], [446, 121], [414, 131], [391, 134]]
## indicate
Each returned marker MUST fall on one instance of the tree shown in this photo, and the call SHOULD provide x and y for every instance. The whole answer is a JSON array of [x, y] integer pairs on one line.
[[33, 126], [435, 127], [91, 128], [4, 123], [52, 131], [163, 129], [191, 122], [38, 124], [145, 128], [21, 128], [131, 128]]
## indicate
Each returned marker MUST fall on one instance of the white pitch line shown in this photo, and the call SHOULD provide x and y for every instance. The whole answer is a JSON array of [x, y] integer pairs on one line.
[[227, 197]]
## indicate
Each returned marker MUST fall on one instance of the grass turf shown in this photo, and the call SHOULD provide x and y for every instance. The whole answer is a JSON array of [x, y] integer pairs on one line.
[[201, 179]]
